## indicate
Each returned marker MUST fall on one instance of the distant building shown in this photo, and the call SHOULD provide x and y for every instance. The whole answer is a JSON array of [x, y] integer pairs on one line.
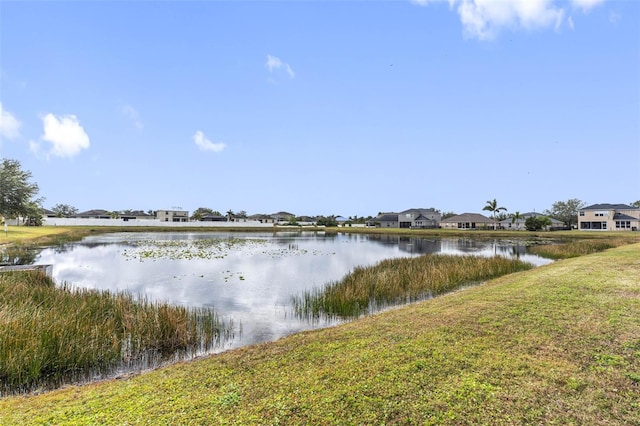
[[609, 217], [467, 221], [519, 224], [135, 215], [411, 218], [172, 215], [94, 214]]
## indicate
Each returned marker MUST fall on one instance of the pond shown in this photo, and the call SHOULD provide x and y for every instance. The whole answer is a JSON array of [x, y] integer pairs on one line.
[[248, 278]]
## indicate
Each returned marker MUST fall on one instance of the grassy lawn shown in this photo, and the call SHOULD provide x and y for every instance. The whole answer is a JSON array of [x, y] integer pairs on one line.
[[559, 344], [22, 234]]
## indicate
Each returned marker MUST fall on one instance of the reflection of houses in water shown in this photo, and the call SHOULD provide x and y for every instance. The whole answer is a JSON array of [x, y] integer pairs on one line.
[[419, 245], [409, 244], [515, 250], [464, 245]]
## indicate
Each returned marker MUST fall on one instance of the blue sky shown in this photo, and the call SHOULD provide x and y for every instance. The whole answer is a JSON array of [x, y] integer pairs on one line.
[[323, 107]]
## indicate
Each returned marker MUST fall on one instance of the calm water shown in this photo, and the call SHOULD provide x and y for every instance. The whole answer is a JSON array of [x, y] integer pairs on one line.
[[248, 278]]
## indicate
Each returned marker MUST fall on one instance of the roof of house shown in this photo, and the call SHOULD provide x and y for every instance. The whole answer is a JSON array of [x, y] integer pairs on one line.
[[621, 216], [606, 206], [422, 217], [282, 214], [525, 216], [387, 217], [96, 212], [468, 217], [418, 211], [259, 216], [136, 213]]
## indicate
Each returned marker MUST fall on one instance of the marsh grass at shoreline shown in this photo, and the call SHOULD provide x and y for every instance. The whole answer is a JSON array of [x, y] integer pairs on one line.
[[400, 280], [51, 335], [577, 248]]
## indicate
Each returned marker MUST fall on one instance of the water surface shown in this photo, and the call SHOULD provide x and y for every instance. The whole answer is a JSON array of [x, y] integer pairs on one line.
[[249, 278]]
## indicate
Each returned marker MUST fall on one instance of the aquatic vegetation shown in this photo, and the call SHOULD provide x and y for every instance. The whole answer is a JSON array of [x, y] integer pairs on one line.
[[51, 334], [400, 280], [212, 248]]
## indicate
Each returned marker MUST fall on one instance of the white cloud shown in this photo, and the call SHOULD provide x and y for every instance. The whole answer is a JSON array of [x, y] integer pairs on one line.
[[484, 19], [205, 144], [9, 124], [274, 64], [65, 134], [586, 5], [133, 115], [570, 22]]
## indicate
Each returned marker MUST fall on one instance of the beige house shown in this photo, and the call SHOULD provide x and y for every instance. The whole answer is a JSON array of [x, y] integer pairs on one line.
[[609, 217], [172, 215], [467, 221]]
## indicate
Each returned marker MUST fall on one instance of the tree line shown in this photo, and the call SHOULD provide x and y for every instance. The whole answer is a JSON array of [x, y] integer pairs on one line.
[[19, 199]]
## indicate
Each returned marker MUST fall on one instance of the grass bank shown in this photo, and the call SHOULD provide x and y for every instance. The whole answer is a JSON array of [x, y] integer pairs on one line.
[[559, 344]]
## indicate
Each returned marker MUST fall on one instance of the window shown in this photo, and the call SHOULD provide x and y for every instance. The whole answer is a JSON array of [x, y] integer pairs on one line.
[[581, 213], [623, 224], [604, 225]]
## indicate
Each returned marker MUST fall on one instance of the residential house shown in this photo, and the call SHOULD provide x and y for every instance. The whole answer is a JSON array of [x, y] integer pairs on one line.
[[467, 221], [262, 218], [214, 218], [384, 220], [172, 215], [282, 216], [419, 218], [48, 213], [412, 218], [135, 215], [609, 217], [94, 214], [519, 224]]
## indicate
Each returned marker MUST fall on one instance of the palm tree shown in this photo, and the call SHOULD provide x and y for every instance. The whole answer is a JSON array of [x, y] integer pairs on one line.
[[516, 216], [492, 206]]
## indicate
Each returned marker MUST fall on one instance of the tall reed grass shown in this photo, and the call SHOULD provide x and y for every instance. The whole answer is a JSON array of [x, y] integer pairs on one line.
[[394, 281], [577, 248], [52, 335]]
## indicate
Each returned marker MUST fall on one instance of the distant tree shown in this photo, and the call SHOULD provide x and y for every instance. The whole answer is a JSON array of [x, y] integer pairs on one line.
[[327, 221], [492, 206], [446, 215], [356, 219], [64, 210], [566, 211], [33, 214], [293, 221], [16, 190], [242, 214], [515, 217], [636, 204], [229, 215], [536, 223], [200, 212]]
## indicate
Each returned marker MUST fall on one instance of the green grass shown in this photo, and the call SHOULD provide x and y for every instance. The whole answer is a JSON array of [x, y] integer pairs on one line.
[[51, 335], [558, 344], [577, 248], [400, 280]]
